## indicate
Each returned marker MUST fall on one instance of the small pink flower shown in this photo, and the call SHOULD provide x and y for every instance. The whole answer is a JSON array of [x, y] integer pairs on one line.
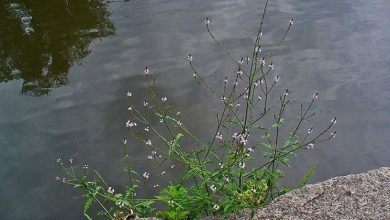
[[213, 188], [310, 146], [110, 190], [219, 136], [146, 71]]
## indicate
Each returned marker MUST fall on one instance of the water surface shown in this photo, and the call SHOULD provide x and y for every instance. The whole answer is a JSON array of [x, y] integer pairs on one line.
[[65, 68]]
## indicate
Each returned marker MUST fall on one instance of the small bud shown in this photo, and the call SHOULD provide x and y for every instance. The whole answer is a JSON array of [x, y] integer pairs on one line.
[[262, 61], [333, 120], [315, 96], [310, 130], [207, 21], [291, 21]]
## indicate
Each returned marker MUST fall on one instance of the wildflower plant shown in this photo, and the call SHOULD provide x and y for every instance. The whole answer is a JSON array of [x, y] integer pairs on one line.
[[225, 174]]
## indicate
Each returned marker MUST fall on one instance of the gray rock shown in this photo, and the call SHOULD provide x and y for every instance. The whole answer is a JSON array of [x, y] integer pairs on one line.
[[358, 196]]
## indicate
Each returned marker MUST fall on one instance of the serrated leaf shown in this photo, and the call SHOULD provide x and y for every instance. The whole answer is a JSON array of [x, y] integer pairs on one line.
[[88, 205]]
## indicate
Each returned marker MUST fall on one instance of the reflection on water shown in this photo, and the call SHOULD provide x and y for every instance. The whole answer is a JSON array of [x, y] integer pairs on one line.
[[41, 39]]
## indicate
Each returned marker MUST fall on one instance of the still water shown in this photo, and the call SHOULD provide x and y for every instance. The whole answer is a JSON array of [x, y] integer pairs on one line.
[[66, 65]]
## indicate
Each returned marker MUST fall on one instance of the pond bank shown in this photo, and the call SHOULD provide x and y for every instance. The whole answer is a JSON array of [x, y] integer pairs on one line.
[[357, 196]]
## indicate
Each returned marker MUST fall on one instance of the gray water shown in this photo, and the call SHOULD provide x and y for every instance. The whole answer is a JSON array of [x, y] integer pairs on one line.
[[63, 88]]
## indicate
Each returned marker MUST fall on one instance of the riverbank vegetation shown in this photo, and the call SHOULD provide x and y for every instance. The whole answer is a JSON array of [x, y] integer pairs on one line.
[[239, 167]]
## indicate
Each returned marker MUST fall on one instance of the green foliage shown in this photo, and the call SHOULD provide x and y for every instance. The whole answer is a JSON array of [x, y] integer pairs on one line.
[[305, 178], [223, 175]]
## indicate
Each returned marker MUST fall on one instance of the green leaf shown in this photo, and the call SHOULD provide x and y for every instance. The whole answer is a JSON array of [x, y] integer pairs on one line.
[[284, 161], [305, 178], [87, 205], [174, 143]]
